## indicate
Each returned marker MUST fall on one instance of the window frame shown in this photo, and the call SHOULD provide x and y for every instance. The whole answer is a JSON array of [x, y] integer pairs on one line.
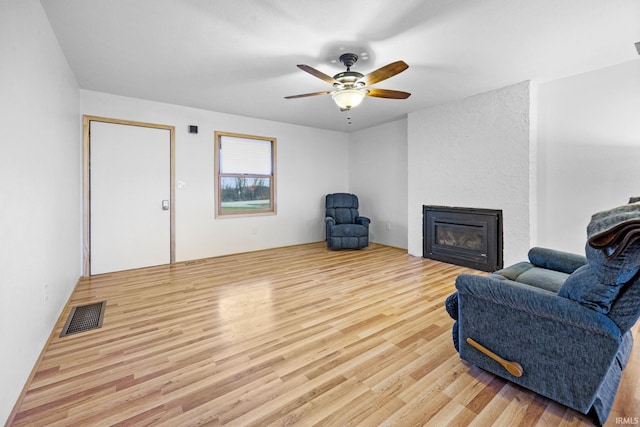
[[219, 212]]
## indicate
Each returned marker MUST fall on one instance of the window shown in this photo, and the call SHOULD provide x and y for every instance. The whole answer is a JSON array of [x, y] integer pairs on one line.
[[245, 174]]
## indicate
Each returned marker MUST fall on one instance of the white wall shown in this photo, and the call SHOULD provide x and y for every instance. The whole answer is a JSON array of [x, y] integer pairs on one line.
[[40, 188], [476, 153], [310, 163], [378, 175], [589, 150]]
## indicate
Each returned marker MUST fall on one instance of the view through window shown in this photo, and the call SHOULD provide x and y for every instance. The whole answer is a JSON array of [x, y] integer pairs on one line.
[[245, 174]]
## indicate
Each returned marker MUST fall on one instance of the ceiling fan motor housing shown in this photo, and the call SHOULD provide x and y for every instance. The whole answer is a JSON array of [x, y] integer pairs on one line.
[[348, 79], [348, 59]]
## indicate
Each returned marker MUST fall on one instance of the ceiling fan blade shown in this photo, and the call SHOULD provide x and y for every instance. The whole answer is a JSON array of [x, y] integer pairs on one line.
[[307, 94], [384, 73], [387, 93], [318, 74]]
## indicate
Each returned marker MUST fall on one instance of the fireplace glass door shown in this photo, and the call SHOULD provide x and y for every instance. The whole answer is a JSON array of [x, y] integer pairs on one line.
[[463, 236]]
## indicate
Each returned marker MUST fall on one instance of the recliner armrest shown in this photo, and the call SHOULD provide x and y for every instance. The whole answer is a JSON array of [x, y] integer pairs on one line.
[[536, 301], [329, 220], [552, 259], [363, 220]]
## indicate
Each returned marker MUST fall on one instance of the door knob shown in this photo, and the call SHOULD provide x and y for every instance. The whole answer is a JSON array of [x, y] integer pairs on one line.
[[165, 205]]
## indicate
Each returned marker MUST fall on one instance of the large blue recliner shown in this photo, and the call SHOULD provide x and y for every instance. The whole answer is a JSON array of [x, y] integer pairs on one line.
[[346, 229], [563, 319]]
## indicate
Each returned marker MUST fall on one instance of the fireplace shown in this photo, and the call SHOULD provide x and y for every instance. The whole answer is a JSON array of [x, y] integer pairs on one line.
[[467, 237]]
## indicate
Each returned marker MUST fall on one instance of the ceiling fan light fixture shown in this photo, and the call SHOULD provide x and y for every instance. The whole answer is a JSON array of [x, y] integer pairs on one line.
[[347, 99], [350, 87]]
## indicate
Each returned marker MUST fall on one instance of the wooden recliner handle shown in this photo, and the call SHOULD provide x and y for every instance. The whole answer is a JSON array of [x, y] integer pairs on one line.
[[514, 368]]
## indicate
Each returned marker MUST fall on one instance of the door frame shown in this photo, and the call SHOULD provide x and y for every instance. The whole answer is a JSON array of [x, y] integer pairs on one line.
[[86, 187]]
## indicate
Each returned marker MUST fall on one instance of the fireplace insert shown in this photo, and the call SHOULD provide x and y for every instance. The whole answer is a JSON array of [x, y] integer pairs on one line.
[[468, 237]]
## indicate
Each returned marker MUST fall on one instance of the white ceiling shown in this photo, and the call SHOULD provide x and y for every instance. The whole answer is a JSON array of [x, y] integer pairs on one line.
[[240, 56]]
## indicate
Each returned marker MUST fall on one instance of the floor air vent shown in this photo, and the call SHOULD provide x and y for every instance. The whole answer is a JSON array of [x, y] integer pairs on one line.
[[84, 318]]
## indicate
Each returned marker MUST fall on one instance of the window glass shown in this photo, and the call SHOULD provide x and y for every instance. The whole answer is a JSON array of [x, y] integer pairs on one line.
[[245, 174]]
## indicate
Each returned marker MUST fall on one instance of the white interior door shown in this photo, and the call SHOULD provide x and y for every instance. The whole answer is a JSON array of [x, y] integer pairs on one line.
[[130, 177]]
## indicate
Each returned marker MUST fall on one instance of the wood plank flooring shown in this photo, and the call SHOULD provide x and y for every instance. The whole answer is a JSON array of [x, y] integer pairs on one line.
[[298, 335]]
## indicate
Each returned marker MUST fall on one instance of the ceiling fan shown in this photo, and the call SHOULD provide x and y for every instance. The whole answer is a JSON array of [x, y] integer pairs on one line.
[[351, 86]]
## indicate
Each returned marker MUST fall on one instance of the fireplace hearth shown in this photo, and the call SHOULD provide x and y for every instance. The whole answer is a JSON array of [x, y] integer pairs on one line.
[[468, 237]]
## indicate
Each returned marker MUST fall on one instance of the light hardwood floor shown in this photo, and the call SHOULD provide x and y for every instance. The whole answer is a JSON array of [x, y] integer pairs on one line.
[[297, 335]]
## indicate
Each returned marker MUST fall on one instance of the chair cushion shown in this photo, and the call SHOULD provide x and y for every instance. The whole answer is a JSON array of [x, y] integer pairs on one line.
[[341, 200], [527, 273], [626, 309], [584, 287], [618, 270], [613, 252], [343, 207], [349, 230], [343, 215]]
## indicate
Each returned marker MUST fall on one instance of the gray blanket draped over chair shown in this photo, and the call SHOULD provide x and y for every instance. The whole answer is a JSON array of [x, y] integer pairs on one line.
[[565, 318]]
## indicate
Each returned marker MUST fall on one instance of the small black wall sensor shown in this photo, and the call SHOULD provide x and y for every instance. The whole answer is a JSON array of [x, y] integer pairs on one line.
[[193, 129]]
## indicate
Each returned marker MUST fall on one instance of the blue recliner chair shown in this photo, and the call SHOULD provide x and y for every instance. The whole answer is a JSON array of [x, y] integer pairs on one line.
[[559, 324], [346, 229]]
